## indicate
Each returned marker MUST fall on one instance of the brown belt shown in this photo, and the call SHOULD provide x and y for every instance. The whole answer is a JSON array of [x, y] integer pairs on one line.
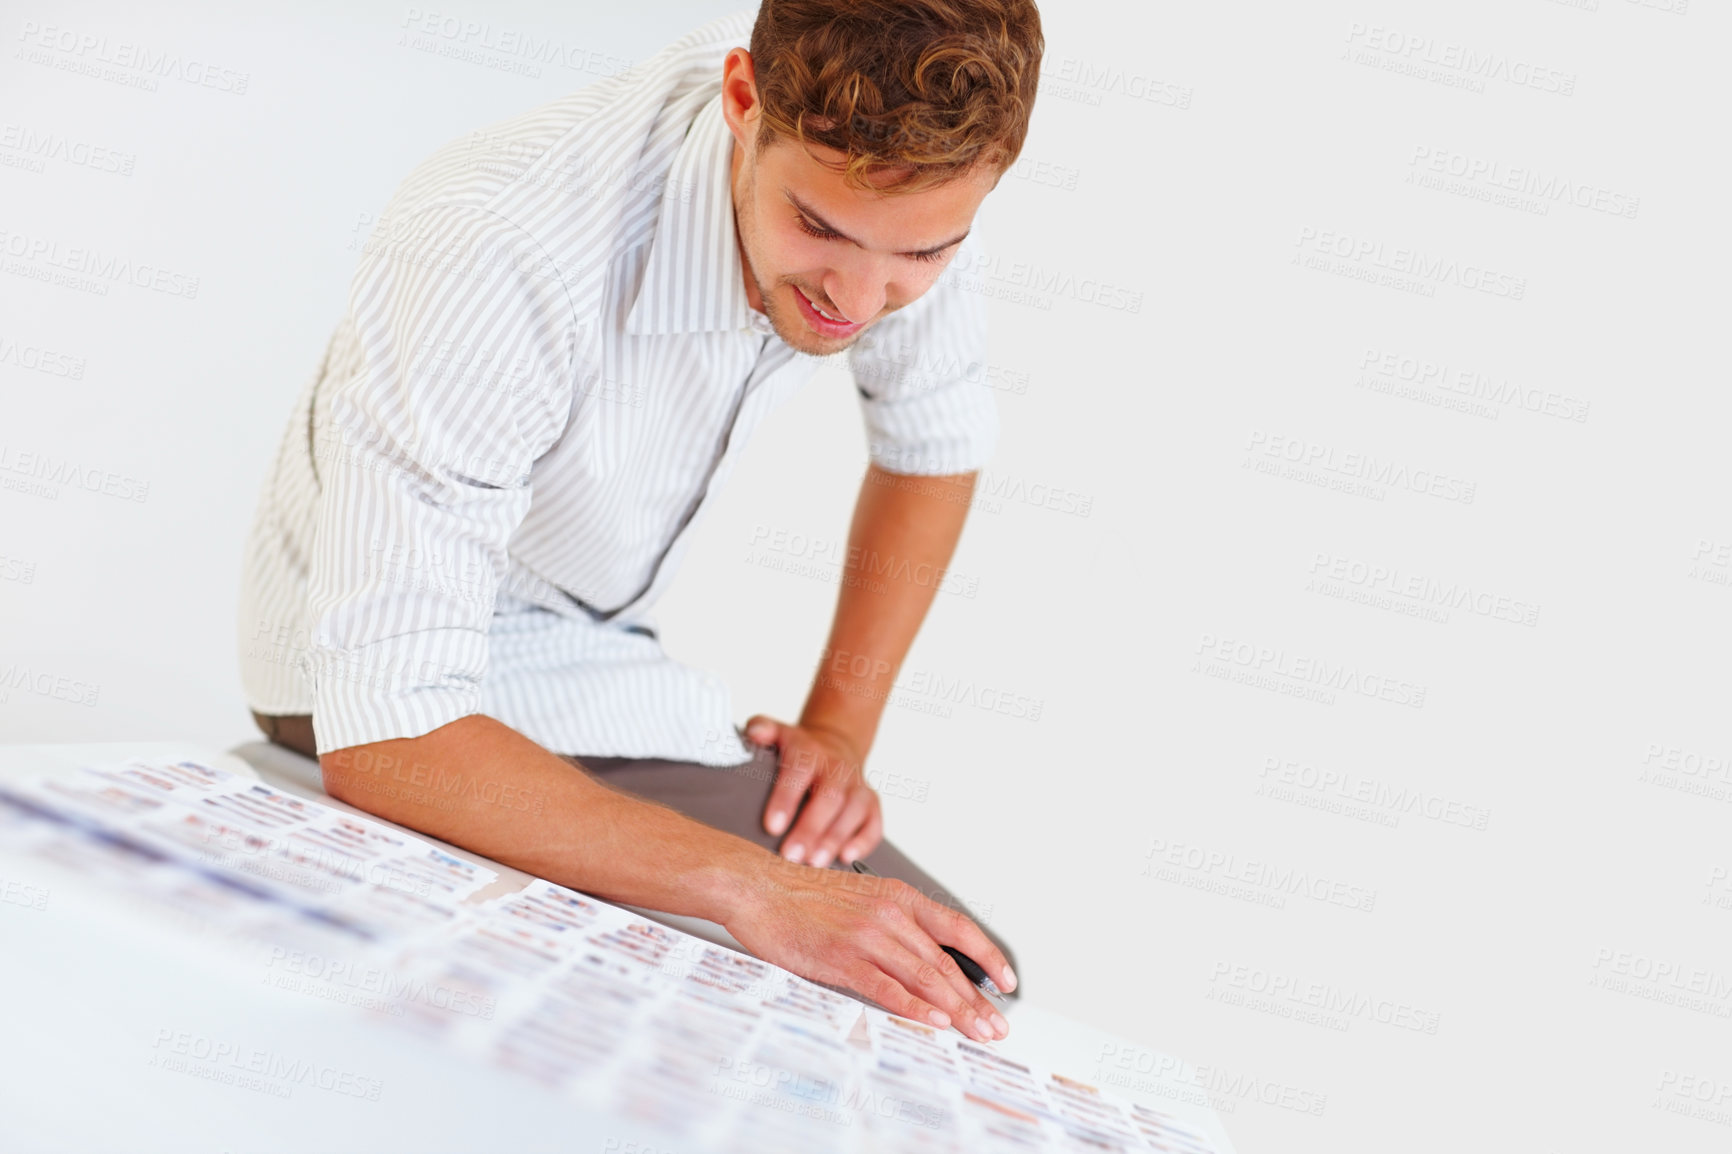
[[293, 731]]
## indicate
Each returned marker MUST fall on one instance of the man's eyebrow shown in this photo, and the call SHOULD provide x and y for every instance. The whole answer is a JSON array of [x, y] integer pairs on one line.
[[807, 211]]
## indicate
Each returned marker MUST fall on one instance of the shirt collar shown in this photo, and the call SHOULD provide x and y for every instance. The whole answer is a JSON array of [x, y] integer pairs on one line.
[[694, 281]]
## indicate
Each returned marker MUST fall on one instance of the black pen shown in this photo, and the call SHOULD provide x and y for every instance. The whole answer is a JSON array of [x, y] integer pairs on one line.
[[970, 968]]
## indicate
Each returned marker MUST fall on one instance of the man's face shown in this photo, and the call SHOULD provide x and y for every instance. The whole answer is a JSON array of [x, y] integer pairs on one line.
[[815, 249]]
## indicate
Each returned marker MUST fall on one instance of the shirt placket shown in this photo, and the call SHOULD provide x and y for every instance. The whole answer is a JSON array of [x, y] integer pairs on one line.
[[771, 358]]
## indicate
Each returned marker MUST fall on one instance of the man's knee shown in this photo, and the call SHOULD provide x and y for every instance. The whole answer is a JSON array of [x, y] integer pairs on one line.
[[293, 732]]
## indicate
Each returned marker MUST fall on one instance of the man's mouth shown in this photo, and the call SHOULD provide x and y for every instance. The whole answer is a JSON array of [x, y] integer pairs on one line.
[[826, 323]]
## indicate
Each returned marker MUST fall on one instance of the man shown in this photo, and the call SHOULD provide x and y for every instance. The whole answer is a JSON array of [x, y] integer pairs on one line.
[[560, 334]]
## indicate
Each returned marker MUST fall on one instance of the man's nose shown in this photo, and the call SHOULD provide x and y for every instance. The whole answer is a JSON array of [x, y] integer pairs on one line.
[[859, 290]]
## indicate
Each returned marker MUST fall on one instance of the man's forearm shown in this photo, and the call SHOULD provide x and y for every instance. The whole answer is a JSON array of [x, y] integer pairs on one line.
[[903, 535], [480, 784]]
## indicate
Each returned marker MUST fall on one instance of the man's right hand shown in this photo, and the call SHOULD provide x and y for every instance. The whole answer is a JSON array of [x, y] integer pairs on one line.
[[879, 937], [876, 936]]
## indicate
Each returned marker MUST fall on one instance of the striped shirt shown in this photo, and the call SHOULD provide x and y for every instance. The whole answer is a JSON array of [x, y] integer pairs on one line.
[[547, 367]]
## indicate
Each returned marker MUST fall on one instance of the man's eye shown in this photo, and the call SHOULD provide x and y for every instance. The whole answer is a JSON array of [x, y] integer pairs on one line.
[[812, 230]]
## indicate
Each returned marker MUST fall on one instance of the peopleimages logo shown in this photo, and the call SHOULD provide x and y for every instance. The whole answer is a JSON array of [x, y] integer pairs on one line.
[[39, 147], [1356, 466], [1522, 179], [1304, 784], [17, 569], [1416, 50], [37, 257], [109, 59], [39, 359], [253, 1067], [832, 559], [51, 470], [1410, 262], [388, 990], [906, 363], [1214, 1086], [1258, 881], [472, 39], [968, 692], [1470, 384], [1030, 283], [1384, 582], [1665, 980], [1285, 992], [1084, 81], [1278, 666]]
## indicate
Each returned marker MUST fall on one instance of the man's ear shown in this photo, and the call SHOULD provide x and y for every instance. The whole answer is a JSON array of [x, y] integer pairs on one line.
[[740, 105]]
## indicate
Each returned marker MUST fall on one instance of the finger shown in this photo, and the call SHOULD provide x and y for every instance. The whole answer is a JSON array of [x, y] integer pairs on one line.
[[869, 836], [822, 806], [795, 769], [905, 952], [870, 981], [968, 1004], [763, 730], [847, 822], [951, 928], [928, 980]]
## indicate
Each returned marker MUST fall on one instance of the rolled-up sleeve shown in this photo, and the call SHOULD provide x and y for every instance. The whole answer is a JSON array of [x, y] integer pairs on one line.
[[922, 375], [424, 457]]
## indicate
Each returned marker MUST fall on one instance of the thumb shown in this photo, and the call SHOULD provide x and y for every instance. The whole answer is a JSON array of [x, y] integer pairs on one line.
[[763, 730]]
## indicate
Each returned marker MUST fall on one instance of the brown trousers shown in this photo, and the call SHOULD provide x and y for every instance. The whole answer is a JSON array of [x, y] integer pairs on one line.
[[728, 798]]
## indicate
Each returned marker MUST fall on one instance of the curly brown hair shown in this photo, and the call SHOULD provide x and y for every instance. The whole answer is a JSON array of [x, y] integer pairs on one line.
[[913, 92]]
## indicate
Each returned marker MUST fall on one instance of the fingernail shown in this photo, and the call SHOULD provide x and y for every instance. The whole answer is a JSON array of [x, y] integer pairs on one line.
[[1009, 982], [778, 822], [822, 858], [795, 852], [999, 1024], [984, 1029], [940, 1019]]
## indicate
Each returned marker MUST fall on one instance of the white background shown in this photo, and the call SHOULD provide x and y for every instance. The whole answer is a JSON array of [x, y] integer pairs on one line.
[[1162, 842]]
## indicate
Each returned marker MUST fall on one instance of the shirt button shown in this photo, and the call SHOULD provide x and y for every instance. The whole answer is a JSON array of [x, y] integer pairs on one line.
[[761, 323]]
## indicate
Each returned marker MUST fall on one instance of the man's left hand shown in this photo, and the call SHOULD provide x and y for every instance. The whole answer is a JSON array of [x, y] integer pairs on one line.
[[842, 816]]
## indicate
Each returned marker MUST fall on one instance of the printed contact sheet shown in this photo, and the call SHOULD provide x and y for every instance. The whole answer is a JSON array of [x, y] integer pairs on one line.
[[588, 1000]]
